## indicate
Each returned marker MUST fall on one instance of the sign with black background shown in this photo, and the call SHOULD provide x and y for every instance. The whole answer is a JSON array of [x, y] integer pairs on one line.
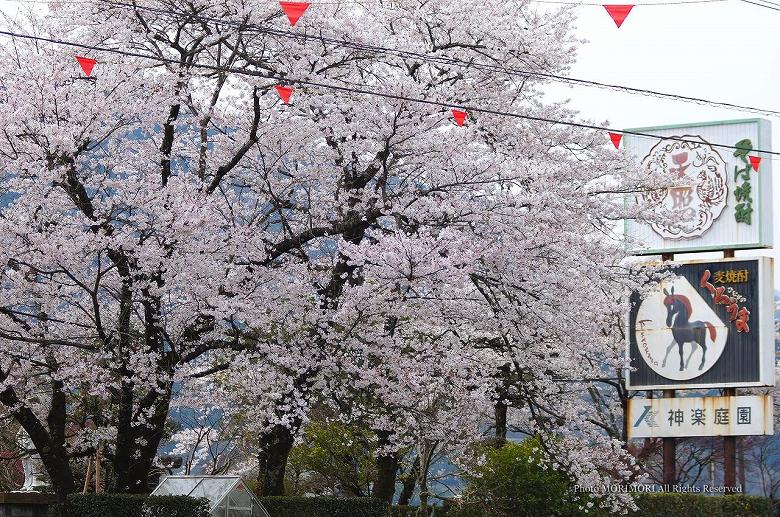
[[702, 327]]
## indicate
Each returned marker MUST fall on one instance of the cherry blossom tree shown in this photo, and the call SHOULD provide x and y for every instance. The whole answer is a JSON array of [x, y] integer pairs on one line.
[[171, 222]]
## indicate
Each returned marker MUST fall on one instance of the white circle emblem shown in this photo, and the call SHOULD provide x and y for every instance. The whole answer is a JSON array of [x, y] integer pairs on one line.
[[691, 208], [678, 334]]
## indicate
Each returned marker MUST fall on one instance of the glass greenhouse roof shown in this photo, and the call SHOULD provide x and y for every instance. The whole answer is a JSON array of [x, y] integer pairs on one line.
[[228, 496]]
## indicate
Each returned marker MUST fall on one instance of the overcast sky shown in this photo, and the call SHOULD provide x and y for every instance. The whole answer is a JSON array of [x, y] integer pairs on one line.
[[726, 51]]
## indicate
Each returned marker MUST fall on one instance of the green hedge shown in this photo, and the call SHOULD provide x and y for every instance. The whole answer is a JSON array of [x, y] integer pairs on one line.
[[402, 510], [325, 507], [654, 505], [697, 505], [130, 505]]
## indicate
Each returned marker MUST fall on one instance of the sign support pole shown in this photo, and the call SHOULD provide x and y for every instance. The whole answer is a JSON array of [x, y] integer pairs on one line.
[[670, 453], [669, 444], [730, 454], [729, 442]]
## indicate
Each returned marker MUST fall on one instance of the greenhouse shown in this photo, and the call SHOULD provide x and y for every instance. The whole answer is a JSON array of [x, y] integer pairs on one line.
[[228, 496]]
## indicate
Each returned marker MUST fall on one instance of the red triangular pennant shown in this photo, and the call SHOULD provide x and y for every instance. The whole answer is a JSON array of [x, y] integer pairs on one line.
[[460, 116], [755, 161], [294, 10], [616, 138], [618, 12], [87, 64], [284, 92]]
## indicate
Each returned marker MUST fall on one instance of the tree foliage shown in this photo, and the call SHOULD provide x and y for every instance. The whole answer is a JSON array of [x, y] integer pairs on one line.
[[173, 234], [333, 459], [516, 480]]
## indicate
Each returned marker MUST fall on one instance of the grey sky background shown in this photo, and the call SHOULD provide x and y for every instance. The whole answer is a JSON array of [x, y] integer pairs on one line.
[[725, 51]]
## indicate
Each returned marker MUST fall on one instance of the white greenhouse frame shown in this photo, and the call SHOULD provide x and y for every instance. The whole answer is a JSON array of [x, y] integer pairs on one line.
[[225, 485]]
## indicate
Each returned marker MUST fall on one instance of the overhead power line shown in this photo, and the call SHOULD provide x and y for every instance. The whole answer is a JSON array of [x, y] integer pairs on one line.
[[762, 5], [363, 91], [390, 2], [443, 60]]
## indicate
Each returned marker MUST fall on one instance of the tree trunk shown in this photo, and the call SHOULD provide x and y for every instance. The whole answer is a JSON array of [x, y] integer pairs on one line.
[[49, 443], [137, 443], [387, 469], [408, 482], [500, 412], [424, 495], [426, 454], [275, 447], [125, 439], [500, 406]]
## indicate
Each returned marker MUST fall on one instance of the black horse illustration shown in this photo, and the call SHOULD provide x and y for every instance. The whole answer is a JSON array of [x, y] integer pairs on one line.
[[678, 313]]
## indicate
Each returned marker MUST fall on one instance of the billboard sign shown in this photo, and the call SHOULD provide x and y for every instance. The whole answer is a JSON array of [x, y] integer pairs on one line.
[[709, 325], [700, 416], [721, 202]]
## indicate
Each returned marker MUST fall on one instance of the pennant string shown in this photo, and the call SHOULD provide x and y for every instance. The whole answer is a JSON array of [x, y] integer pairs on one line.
[[459, 116], [363, 91], [284, 92], [340, 42]]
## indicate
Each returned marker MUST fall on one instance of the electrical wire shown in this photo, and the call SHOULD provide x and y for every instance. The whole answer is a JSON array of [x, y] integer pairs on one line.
[[340, 2], [443, 60], [450, 61], [363, 91], [761, 5]]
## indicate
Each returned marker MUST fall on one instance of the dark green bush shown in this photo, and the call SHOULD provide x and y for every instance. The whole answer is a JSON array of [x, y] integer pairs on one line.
[[655, 505], [461, 509], [130, 505], [698, 505], [325, 507], [511, 483]]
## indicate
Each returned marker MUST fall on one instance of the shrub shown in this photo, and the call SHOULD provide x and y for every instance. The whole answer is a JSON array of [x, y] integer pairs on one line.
[[697, 505], [130, 505], [325, 507], [403, 510], [511, 482], [461, 509], [656, 505], [332, 458]]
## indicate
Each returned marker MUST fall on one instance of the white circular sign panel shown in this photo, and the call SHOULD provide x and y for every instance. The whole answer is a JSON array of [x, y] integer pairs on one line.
[[676, 314], [692, 207]]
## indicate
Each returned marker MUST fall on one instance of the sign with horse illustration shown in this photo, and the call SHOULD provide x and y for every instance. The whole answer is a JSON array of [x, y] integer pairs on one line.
[[723, 196], [708, 324]]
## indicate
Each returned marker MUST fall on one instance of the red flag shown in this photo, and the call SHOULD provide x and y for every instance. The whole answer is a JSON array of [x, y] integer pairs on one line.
[[616, 138], [618, 12], [284, 92], [87, 64], [460, 116], [294, 10], [755, 161]]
